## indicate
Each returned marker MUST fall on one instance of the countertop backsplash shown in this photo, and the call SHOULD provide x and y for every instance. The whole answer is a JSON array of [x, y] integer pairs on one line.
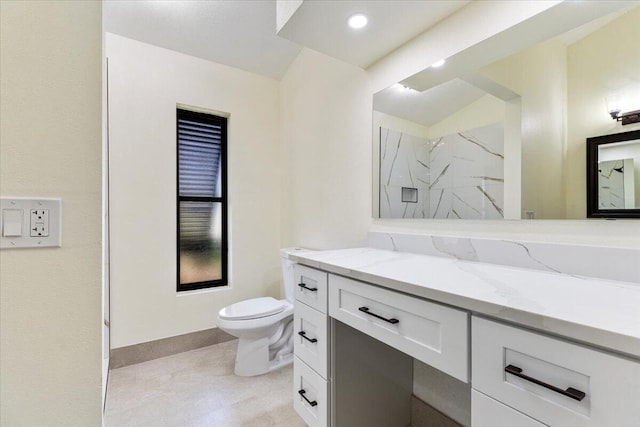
[[581, 260]]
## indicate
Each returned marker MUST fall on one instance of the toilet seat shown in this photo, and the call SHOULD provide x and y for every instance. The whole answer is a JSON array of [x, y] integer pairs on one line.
[[254, 308]]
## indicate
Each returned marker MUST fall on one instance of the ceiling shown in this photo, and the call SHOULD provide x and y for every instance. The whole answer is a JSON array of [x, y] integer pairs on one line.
[[242, 33], [237, 33], [322, 26], [430, 106]]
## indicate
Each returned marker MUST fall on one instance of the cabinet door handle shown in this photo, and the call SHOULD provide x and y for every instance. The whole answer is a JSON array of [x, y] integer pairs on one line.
[[311, 403], [302, 285], [303, 334], [570, 392], [365, 310]]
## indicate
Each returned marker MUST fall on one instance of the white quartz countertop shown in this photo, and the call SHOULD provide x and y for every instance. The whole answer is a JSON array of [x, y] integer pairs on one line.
[[602, 313]]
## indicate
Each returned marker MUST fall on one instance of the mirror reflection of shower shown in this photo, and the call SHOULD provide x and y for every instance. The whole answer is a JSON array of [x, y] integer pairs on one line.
[[458, 175], [619, 175], [611, 184]]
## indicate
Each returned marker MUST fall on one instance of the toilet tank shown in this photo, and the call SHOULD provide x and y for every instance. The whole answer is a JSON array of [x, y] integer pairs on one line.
[[288, 275]]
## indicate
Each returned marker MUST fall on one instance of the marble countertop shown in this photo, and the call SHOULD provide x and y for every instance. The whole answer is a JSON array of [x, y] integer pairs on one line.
[[602, 313]]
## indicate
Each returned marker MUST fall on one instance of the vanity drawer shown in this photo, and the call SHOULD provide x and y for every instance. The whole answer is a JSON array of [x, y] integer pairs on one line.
[[486, 412], [432, 333], [311, 287], [501, 354], [310, 395], [310, 337]]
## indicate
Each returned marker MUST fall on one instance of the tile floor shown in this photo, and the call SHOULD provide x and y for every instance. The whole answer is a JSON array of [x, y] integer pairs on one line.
[[198, 389]]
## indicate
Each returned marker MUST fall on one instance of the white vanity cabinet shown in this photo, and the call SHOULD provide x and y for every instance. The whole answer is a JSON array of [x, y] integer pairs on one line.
[[358, 335], [310, 287], [311, 346], [548, 379], [487, 412], [432, 333], [311, 395], [404, 327]]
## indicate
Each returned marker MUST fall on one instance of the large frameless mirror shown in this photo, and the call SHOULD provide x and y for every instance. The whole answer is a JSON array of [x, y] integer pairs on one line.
[[498, 130]]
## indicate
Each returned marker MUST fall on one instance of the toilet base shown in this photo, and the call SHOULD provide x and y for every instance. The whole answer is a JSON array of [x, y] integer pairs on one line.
[[284, 361], [253, 358]]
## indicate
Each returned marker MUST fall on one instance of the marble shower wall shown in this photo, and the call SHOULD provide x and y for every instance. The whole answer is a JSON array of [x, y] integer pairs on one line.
[[467, 178], [455, 176], [611, 184], [580, 260], [404, 163]]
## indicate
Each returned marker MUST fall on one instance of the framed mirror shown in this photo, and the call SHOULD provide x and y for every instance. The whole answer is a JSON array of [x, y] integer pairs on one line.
[[613, 175]]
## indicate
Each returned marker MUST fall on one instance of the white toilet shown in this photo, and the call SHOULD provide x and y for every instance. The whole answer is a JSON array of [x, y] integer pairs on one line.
[[264, 326]]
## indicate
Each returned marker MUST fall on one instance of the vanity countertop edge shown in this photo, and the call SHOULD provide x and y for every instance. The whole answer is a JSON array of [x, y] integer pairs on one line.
[[600, 313]]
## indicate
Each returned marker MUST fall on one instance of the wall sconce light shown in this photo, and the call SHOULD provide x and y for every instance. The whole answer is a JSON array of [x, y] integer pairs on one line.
[[617, 102], [626, 118]]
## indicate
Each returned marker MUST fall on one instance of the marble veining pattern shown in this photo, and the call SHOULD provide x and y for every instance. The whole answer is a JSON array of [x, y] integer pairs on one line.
[[611, 184], [456, 176], [600, 312], [404, 162], [579, 260]]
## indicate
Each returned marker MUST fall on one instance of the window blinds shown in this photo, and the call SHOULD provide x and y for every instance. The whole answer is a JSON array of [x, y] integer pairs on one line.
[[199, 148]]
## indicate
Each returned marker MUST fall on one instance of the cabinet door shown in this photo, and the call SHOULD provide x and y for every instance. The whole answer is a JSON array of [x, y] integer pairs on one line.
[[310, 341], [556, 382], [311, 287], [432, 333], [486, 412], [310, 395]]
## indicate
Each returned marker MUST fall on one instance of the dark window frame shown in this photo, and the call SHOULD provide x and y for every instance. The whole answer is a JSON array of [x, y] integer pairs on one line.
[[207, 118]]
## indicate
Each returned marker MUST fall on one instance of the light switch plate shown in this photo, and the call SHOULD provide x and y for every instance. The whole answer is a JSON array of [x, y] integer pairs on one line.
[[40, 224], [12, 222]]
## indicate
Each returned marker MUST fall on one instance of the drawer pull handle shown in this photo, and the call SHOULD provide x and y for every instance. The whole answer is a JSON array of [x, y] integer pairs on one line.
[[303, 334], [570, 392], [303, 286], [365, 310], [311, 403]]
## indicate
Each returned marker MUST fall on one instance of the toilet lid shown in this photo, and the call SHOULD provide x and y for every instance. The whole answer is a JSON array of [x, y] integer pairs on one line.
[[252, 309]]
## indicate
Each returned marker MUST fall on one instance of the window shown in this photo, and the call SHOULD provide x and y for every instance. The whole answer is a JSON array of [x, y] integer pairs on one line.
[[202, 200]]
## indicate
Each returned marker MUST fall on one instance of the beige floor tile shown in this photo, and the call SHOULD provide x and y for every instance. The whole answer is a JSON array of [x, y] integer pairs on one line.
[[198, 389]]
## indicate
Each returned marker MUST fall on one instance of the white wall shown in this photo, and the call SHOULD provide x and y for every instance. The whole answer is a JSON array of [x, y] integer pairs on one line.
[[619, 151], [50, 133], [487, 110], [145, 84], [325, 113], [396, 123], [598, 68], [539, 75]]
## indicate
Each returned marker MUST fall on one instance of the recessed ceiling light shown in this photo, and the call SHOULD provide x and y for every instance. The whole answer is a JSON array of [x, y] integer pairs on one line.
[[357, 21], [438, 64]]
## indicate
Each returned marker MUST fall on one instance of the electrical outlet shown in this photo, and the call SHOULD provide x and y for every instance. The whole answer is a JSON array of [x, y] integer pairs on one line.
[[39, 222]]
